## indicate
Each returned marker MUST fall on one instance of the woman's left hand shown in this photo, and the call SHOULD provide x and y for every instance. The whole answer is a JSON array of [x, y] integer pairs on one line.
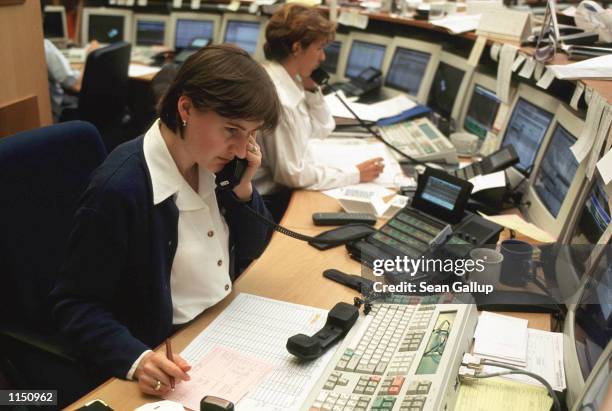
[[244, 190]]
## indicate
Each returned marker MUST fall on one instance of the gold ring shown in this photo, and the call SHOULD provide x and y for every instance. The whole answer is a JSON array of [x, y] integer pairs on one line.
[[253, 149], [157, 385]]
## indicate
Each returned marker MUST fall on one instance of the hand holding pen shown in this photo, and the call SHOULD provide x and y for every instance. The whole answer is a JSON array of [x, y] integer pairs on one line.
[[158, 372]]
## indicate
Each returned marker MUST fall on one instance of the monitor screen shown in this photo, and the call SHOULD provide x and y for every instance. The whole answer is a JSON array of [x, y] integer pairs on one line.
[[556, 171], [244, 34], [362, 56], [441, 193], [595, 215], [187, 30], [444, 89], [150, 32], [105, 28], [53, 25], [525, 131], [332, 54], [407, 70], [482, 111]]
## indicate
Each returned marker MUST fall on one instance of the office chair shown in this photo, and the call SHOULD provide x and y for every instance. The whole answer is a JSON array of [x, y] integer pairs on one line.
[[43, 173], [103, 98]]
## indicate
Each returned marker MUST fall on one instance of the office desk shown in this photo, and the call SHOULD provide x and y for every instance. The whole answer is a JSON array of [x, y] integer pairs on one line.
[[289, 270]]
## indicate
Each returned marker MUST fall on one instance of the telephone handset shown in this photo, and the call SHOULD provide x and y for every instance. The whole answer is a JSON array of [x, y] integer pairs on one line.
[[230, 176], [319, 76]]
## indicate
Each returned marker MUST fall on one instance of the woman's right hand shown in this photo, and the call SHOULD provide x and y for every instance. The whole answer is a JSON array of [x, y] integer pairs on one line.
[[370, 169], [154, 367]]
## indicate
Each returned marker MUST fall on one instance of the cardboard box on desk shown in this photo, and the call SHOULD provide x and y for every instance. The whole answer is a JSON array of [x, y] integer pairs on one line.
[[505, 24]]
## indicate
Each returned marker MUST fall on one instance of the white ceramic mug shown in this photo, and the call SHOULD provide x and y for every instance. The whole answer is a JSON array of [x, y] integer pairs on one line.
[[492, 261]]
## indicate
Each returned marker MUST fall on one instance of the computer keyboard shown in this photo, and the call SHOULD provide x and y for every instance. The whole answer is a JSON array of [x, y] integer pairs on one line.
[[75, 54], [420, 139], [143, 54], [399, 357]]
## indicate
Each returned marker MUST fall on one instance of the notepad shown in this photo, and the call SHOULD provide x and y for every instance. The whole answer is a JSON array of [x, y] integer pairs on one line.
[[497, 394], [501, 338]]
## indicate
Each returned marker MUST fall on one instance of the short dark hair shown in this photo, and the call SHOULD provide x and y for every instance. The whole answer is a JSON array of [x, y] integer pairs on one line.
[[295, 23], [226, 80]]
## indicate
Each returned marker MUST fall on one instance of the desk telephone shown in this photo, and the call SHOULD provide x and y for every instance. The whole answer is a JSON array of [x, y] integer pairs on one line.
[[435, 225], [367, 80]]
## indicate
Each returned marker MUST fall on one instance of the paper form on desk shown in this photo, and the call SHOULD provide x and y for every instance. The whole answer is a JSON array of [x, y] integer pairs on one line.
[[594, 68], [544, 357], [486, 181], [364, 190], [501, 338], [458, 23], [223, 373], [259, 327], [498, 394], [517, 223], [369, 112]]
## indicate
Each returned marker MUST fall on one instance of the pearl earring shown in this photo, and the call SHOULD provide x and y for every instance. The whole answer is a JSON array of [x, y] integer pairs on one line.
[[184, 123]]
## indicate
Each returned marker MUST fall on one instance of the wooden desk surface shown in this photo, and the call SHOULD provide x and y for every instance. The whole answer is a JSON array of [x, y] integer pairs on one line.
[[289, 270]]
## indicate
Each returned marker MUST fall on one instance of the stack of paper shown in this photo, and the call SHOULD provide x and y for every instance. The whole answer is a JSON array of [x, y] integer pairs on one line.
[[368, 112], [458, 23], [501, 338], [517, 223], [598, 67]]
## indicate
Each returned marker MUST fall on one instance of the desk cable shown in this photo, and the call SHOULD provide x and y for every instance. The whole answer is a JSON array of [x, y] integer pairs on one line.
[[471, 368]]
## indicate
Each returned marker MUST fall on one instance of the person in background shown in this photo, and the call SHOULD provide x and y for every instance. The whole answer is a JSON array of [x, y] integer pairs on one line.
[[296, 36], [155, 240]]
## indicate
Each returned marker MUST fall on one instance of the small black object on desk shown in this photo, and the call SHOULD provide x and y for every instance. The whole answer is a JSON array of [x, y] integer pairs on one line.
[[212, 403]]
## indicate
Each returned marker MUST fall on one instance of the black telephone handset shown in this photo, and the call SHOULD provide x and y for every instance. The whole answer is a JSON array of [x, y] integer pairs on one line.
[[319, 76], [231, 174]]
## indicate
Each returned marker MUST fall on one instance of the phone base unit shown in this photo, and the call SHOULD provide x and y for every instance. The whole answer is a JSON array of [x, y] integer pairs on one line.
[[434, 226], [398, 357]]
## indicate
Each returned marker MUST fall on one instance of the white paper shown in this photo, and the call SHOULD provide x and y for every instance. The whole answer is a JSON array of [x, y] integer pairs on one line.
[[484, 182], [539, 70], [528, 68], [546, 80], [596, 67], [569, 12], [354, 19], [139, 70], [588, 93], [363, 190], [195, 4], [458, 23], [355, 151], [494, 52], [600, 138], [476, 52], [259, 327], [370, 112], [165, 405], [129, 3], [577, 94], [234, 5], [583, 146], [604, 166], [504, 72], [177, 4], [501, 337], [518, 61], [544, 357], [142, 3]]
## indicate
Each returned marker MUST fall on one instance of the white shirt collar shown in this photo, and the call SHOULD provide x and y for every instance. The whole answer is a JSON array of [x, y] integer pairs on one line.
[[290, 92], [167, 180]]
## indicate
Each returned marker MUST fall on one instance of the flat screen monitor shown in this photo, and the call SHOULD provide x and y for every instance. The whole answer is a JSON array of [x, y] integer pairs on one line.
[[186, 30], [594, 215], [362, 55], [150, 30], [481, 112], [556, 171], [526, 129], [332, 57], [244, 34], [447, 89], [106, 25], [54, 23]]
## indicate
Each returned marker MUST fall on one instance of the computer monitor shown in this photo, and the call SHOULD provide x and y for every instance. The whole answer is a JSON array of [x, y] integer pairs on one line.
[[531, 116], [360, 52], [151, 30], [410, 67], [333, 51], [246, 31], [184, 27], [587, 331], [106, 25], [482, 113], [557, 176], [449, 85], [54, 23]]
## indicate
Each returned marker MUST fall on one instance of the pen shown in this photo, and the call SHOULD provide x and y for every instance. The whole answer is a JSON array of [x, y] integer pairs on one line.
[[171, 358]]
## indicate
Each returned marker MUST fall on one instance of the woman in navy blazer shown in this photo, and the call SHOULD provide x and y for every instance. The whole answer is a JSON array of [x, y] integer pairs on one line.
[[126, 280]]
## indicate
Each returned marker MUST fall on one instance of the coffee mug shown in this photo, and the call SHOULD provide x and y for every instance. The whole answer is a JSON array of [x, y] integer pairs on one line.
[[517, 268], [492, 261], [465, 143]]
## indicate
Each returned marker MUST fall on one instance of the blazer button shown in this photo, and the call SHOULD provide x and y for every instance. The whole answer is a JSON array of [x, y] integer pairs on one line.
[[226, 287], [219, 263], [211, 233]]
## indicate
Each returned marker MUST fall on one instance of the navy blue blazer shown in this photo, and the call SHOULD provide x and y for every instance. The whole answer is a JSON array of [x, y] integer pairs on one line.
[[112, 300]]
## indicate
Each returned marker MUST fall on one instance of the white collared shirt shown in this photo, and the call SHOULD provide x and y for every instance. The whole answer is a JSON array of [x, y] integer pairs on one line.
[[200, 269], [286, 159]]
